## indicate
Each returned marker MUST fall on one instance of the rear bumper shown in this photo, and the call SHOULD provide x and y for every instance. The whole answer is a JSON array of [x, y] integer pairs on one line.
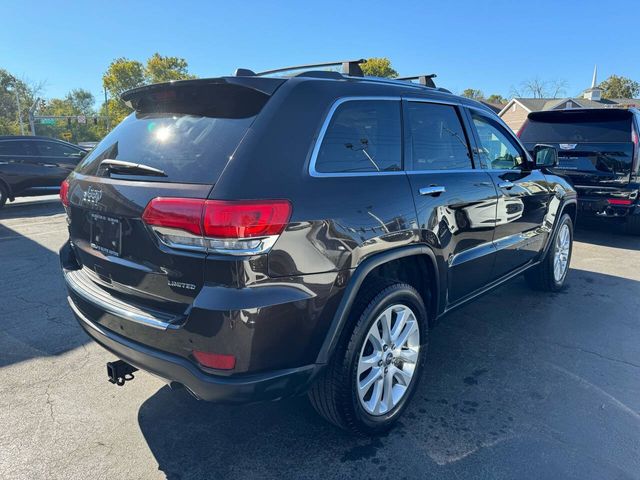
[[234, 389], [600, 207]]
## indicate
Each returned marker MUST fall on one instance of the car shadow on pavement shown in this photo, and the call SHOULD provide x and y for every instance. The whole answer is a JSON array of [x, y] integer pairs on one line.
[[514, 377], [35, 320], [37, 208], [606, 234]]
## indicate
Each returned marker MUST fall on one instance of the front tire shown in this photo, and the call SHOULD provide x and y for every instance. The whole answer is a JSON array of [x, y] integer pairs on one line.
[[551, 274], [379, 361]]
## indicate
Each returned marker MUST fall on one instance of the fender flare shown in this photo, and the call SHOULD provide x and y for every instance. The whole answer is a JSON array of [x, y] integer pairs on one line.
[[355, 282]]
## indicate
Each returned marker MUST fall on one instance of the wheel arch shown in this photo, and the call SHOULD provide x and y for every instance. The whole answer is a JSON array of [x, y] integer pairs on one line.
[[386, 263], [7, 187], [569, 206]]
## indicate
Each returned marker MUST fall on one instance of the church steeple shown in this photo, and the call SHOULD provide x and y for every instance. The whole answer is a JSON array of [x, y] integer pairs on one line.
[[593, 93]]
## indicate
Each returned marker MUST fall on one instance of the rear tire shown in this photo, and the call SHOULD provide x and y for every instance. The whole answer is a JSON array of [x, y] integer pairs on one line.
[[632, 226], [365, 387], [551, 273], [4, 195]]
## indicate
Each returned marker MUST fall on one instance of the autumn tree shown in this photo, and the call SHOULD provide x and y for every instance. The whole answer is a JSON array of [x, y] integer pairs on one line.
[[124, 74], [378, 67], [619, 87]]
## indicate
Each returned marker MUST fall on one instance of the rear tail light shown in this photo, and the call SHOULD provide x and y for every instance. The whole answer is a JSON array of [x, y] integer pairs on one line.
[[521, 129], [619, 201], [64, 193], [230, 227], [215, 360]]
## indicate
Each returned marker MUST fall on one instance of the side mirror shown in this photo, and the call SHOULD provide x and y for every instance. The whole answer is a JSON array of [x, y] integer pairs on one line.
[[545, 156]]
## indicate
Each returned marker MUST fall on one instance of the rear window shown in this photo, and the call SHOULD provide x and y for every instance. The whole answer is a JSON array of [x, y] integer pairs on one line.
[[188, 148], [581, 127]]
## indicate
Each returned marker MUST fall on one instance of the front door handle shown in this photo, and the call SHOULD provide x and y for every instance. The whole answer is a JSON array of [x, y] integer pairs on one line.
[[506, 185], [433, 190]]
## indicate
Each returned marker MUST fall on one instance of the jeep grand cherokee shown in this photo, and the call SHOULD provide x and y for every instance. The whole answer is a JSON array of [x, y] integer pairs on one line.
[[253, 237]]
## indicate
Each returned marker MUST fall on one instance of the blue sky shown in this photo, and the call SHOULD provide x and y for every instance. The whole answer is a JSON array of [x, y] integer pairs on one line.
[[488, 45]]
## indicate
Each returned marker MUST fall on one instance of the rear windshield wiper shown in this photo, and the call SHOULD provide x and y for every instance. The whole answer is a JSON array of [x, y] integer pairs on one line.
[[130, 168]]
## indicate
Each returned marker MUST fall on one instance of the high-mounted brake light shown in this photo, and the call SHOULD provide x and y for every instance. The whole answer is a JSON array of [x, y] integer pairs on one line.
[[64, 193], [245, 227]]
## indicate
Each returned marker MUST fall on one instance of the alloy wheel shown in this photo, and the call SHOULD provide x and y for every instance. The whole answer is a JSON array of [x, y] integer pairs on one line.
[[561, 254], [388, 359]]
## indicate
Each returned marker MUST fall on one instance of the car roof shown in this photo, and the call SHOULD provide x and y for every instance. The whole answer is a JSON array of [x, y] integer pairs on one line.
[[35, 137]]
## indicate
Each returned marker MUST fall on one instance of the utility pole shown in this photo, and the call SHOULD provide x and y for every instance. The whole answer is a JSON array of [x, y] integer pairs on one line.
[[15, 90], [31, 119], [106, 107]]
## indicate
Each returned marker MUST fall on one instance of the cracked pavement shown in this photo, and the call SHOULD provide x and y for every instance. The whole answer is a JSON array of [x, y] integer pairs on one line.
[[520, 385]]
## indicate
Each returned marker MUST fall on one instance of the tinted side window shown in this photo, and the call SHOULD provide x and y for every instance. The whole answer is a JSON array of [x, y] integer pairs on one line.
[[438, 141], [363, 136], [54, 149], [12, 148], [497, 150]]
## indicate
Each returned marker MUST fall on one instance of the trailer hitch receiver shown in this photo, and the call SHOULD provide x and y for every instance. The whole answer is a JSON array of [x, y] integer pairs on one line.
[[120, 372]]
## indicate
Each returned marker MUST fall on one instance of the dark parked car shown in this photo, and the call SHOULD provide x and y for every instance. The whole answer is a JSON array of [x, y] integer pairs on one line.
[[32, 166], [251, 237], [598, 150]]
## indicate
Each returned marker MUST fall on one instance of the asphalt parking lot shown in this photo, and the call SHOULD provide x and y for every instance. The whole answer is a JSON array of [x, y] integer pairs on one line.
[[520, 385]]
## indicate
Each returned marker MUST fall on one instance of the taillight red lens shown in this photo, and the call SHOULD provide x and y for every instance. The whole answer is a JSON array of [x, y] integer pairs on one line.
[[219, 218], [215, 360], [619, 201], [181, 213], [245, 219], [64, 193]]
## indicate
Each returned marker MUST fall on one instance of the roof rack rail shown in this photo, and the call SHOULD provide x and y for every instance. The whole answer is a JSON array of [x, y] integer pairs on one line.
[[349, 67], [426, 80]]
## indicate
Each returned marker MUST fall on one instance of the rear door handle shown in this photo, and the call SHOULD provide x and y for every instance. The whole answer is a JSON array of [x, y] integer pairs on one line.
[[506, 185], [433, 190]]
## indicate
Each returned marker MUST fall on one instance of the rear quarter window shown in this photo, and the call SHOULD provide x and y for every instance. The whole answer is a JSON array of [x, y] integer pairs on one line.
[[362, 136]]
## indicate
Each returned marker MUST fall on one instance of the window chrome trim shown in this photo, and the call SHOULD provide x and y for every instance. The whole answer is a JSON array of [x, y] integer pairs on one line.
[[323, 130], [325, 125], [450, 170]]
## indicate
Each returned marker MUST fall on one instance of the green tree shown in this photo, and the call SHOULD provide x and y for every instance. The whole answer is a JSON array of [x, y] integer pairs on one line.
[[164, 69], [619, 87], [9, 87], [473, 93], [76, 103], [378, 67], [124, 74], [495, 98]]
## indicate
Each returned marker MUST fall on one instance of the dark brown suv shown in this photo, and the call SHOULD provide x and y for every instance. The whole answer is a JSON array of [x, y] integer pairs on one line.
[[253, 237]]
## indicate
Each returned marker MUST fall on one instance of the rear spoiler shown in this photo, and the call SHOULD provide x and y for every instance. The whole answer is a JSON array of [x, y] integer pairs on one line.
[[265, 85], [231, 97], [581, 114]]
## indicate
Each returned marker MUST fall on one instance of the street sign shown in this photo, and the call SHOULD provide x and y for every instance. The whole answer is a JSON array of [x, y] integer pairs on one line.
[[47, 121], [82, 119], [67, 135]]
